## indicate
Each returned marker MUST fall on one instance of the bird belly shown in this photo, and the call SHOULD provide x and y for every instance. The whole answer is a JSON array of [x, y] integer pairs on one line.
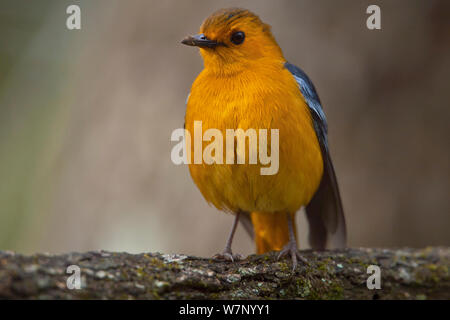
[[234, 187]]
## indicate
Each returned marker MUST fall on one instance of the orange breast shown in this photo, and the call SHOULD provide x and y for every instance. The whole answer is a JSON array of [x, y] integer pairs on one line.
[[264, 97]]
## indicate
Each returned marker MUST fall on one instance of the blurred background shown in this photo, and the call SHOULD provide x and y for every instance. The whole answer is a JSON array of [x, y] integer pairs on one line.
[[86, 117]]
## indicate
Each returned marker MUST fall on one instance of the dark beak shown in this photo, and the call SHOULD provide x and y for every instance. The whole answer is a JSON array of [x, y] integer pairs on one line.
[[199, 40]]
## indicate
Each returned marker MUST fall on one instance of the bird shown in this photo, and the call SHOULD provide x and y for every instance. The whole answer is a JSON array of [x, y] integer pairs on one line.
[[246, 83]]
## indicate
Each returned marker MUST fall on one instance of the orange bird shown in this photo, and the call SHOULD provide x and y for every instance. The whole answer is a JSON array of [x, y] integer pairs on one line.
[[247, 84]]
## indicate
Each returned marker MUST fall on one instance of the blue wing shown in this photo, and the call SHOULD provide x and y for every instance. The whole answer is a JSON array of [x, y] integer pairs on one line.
[[325, 213], [312, 99]]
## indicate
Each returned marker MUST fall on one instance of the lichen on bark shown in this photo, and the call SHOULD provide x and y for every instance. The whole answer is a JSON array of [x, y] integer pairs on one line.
[[335, 274]]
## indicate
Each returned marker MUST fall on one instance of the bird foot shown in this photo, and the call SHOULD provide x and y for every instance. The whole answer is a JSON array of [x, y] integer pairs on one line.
[[292, 250], [228, 255]]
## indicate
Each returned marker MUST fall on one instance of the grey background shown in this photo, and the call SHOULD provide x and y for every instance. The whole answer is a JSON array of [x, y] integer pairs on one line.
[[86, 118]]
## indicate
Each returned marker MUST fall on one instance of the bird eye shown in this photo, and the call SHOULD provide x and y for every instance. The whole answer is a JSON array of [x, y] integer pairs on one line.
[[237, 37]]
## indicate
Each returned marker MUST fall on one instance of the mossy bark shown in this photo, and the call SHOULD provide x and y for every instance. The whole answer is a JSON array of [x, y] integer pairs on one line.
[[336, 274]]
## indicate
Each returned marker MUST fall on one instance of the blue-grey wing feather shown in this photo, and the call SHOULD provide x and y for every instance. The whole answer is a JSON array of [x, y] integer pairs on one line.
[[324, 212], [312, 99]]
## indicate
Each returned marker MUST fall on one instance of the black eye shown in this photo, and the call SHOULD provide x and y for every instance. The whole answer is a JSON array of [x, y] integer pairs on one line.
[[237, 37]]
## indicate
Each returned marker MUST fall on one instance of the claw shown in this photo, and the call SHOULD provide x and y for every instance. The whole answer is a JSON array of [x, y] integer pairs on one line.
[[228, 255], [291, 249]]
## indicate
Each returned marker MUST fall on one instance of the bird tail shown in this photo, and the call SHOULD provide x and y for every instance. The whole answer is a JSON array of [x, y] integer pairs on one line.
[[271, 231], [325, 213]]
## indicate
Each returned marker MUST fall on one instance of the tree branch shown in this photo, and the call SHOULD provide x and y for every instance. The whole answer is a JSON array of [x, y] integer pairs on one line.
[[405, 274]]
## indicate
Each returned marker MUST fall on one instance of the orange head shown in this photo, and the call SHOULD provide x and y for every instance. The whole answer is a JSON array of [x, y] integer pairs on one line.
[[230, 39]]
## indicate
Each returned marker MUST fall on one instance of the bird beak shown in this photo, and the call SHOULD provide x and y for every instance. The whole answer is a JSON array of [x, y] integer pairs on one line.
[[199, 40]]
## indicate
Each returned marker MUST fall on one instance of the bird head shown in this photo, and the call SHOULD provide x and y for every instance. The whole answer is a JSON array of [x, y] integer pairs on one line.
[[230, 39]]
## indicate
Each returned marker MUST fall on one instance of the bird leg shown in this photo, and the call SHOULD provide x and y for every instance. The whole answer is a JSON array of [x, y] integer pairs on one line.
[[227, 254], [291, 247]]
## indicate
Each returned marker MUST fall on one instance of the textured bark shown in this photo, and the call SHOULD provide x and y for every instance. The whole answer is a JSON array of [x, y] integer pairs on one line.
[[338, 274]]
